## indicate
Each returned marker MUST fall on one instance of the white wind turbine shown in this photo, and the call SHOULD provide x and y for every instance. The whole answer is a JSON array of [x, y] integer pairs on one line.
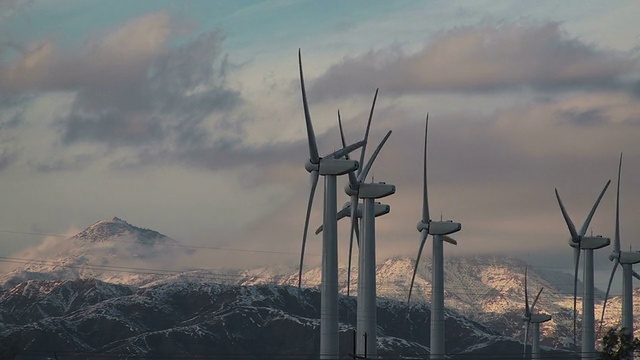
[[579, 241], [626, 259], [530, 318], [379, 208], [439, 230], [330, 167]]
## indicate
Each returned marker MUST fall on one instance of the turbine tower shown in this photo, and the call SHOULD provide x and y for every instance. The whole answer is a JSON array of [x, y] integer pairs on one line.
[[530, 318], [439, 230], [366, 321], [626, 259], [330, 167], [579, 241]]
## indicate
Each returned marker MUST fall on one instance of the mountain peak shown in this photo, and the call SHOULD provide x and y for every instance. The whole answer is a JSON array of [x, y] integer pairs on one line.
[[115, 229]]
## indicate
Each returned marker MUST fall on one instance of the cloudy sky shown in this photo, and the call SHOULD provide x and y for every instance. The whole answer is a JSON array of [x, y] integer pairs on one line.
[[186, 117]]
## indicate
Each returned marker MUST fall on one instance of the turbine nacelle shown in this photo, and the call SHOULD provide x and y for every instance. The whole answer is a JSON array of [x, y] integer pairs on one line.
[[379, 209], [439, 227], [628, 257], [590, 242], [352, 189], [329, 166], [375, 190], [539, 318]]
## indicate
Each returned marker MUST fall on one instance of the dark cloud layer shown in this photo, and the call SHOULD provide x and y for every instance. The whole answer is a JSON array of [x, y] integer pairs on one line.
[[481, 59], [169, 101], [133, 90]]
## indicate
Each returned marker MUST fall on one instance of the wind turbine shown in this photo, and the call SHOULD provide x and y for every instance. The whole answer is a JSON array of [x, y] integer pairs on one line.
[[330, 167], [439, 230], [579, 241], [535, 319], [626, 259], [353, 208]]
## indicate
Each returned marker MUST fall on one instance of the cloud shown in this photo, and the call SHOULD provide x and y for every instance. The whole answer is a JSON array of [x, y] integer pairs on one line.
[[51, 244], [133, 89], [481, 59], [10, 8], [73, 163]]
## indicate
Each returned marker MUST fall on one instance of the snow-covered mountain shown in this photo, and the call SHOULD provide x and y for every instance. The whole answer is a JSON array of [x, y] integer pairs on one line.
[[107, 250], [89, 319], [485, 289]]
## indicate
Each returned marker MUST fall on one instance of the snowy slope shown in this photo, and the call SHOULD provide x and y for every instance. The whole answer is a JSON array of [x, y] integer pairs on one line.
[[105, 250], [82, 318]]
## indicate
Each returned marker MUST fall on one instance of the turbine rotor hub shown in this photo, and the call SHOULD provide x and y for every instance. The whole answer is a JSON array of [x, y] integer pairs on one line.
[[615, 255], [309, 166], [351, 189]]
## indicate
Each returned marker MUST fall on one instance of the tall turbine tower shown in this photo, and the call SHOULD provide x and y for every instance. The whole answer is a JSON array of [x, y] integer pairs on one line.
[[439, 230], [329, 167], [626, 259], [366, 321], [535, 319], [587, 243]]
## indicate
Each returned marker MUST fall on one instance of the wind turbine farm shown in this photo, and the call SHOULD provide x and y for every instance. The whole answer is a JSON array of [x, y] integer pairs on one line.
[[160, 165]]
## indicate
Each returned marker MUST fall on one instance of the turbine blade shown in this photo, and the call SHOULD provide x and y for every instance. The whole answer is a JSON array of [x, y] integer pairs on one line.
[[616, 238], [576, 257], [314, 183], [635, 274], [311, 136], [425, 196], [526, 335], [527, 310], [449, 239], [344, 143], [363, 175], [583, 230], [343, 213], [567, 219], [366, 132], [353, 207], [606, 295], [352, 176], [536, 299], [357, 231], [346, 150], [423, 238]]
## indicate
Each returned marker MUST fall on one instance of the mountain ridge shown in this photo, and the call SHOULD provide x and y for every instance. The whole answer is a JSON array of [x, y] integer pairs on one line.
[[485, 289]]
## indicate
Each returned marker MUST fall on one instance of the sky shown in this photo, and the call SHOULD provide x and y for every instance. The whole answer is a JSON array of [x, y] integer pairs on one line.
[[186, 118]]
